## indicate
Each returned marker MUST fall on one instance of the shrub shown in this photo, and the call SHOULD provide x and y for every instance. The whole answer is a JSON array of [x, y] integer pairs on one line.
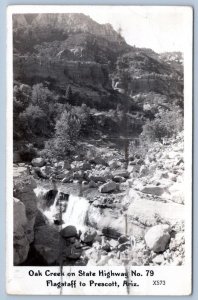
[[27, 153], [166, 124], [35, 121]]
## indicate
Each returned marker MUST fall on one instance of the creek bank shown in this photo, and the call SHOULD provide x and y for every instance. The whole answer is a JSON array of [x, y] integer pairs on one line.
[[119, 205]]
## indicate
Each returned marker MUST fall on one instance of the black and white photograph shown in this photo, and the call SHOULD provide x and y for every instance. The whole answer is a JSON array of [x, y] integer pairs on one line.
[[100, 141]]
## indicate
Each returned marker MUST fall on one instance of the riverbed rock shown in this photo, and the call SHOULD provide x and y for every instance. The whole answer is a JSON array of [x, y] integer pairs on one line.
[[159, 259], [121, 173], [97, 178], [73, 251], [153, 190], [98, 160], [38, 162], [88, 235], [47, 170], [92, 184], [108, 187], [67, 176], [119, 179], [24, 186], [47, 243], [106, 247], [40, 220], [123, 239], [144, 171], [124, 246], [69, 231], [113, 164], [157, 238], [86, 166]]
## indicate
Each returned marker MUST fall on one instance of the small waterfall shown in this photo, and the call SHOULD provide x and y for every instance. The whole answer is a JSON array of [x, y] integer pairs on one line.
[[74, 209], [76, 212], [52, 210]]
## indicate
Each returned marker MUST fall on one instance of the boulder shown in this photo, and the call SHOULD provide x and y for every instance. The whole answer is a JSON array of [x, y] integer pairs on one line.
[[38, 162], [67, 177], [157, 238], [106, 247], [121, 173], [73, 251], [159, 259], [153, 190], [69, 231], [40, 220], [98, 160], [177, 241], [113, 243], [113, 164], [21, 243], [97, 178], [24, 186], [119, 179], [47, 243], [123, 239], [124, 246], [108, 187], [88, 235], [47, 170], [39, 173], [92, 184], [144, 171], [86, 166], [176, 193]]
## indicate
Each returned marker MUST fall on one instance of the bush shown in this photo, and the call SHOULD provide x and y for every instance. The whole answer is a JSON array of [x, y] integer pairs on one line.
[[166, 125], [27, 153], [35, 122]]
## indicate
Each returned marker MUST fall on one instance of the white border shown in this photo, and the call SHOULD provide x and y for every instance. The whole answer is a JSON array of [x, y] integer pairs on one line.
[[18, 282]]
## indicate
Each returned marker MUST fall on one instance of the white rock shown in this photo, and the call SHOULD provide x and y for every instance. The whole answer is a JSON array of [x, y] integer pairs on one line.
[[157, 238], [108, 187], [153, 190], [159, 259], [38, 162]]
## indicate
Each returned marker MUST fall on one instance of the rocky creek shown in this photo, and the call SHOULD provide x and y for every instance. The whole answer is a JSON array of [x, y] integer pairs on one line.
[[97, 212]]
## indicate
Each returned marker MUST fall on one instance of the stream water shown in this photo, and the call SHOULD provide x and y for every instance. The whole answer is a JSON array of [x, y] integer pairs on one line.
[[73, 208]]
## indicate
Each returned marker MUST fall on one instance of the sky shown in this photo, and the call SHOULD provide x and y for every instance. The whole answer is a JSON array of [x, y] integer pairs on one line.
[[161, 28]]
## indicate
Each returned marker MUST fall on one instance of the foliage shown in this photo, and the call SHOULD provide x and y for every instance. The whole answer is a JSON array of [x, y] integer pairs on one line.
[[66, 134], [27, 152], [165, 125], [35, 121]]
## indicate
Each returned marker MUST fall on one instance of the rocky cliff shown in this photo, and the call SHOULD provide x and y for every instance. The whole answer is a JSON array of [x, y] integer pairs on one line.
[[73, 49]]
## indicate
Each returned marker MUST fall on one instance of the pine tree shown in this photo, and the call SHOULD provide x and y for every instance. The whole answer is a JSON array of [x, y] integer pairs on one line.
[[69, 94]]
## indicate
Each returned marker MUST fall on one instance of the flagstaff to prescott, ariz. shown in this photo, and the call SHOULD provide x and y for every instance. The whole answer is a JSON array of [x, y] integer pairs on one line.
[[73, 283]]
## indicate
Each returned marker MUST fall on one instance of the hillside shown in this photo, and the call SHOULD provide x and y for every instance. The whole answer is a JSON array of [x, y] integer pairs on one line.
[[72, 49]]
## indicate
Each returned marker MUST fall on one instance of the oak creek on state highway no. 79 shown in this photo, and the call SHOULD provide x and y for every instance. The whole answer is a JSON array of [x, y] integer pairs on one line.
[[82, 273]]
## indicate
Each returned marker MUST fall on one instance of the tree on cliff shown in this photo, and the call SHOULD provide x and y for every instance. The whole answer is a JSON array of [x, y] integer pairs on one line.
[[69, 95]]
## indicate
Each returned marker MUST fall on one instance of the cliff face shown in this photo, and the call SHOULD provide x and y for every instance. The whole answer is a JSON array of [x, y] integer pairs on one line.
[[143, 71], [61, 71], [69, 22], [72, 49]]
